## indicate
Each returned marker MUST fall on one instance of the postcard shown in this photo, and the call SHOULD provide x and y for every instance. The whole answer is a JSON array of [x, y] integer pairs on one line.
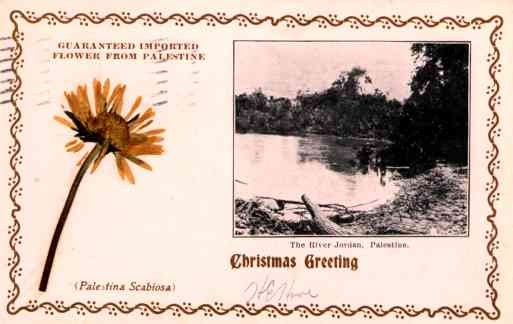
[[256, 162]]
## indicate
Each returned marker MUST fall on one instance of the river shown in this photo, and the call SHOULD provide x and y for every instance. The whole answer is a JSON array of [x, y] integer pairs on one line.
[[323, 167]]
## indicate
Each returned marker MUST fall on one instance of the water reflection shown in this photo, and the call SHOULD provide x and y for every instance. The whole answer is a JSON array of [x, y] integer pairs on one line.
[[324, 167], [347, 156], [336, 154]]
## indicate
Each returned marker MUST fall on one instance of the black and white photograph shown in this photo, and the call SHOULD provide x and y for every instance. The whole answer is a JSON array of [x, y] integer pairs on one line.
[[351, 138]]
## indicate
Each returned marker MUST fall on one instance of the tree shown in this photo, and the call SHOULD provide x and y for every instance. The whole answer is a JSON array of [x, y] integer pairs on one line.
[[343, 109], [434, 123]]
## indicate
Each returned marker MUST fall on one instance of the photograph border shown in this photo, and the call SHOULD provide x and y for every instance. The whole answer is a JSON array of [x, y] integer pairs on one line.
[[208, 20], [384, 236]]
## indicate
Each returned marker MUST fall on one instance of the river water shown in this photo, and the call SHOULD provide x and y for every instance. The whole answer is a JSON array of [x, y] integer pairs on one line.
[[323, 167]]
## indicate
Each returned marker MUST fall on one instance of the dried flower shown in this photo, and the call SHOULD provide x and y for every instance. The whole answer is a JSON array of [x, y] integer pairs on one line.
[[124, 136]]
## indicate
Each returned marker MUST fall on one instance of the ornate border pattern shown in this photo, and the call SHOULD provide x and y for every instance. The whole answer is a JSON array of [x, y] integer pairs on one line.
[[253, 19]]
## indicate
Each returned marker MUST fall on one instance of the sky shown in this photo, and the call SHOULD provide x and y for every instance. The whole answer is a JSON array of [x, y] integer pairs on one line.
[[280, 69]]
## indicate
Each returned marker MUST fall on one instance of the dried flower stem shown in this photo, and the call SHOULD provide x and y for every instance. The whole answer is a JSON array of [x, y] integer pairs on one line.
[[64, 215]]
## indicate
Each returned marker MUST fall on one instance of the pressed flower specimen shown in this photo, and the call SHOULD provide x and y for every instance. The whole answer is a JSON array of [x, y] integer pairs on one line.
[[125, 136]]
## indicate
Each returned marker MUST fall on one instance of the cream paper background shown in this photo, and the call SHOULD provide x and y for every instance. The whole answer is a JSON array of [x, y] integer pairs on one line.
[[175, 224]]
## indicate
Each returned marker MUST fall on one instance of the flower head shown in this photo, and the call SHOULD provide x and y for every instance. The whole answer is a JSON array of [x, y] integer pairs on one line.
[[124, 136]]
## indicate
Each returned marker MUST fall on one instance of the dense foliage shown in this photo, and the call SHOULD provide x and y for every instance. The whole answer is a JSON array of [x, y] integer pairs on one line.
[[342, 109], [434, 122], [428, 126]]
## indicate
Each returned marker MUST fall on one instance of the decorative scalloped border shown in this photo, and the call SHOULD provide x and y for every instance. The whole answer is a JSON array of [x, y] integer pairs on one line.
[[253, 19]]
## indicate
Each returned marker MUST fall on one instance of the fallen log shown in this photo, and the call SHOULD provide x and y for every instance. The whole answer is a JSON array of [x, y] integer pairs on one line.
[[293, 202], [363, 204], [323, 223]]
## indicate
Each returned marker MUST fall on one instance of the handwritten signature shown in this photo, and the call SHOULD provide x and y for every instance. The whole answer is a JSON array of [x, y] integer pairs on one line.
[[270, 290]]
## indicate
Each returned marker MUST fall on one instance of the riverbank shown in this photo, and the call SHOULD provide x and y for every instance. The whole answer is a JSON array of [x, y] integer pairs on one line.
[[433, 203], [304, 134]]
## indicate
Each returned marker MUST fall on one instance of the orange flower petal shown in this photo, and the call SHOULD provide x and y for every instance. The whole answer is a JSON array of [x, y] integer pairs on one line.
[[64, 122], [114, 95], [100, 157], [99, 101], [154, 131], [72, 102], [117, 105], [106, 88], [134, 107], [83, 99], [76, 147], [144, 125], [149, 113], [71, 143], [139, 162], [136, 139], [119, 165], [145, 149], [154, 139], [128, 172]]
